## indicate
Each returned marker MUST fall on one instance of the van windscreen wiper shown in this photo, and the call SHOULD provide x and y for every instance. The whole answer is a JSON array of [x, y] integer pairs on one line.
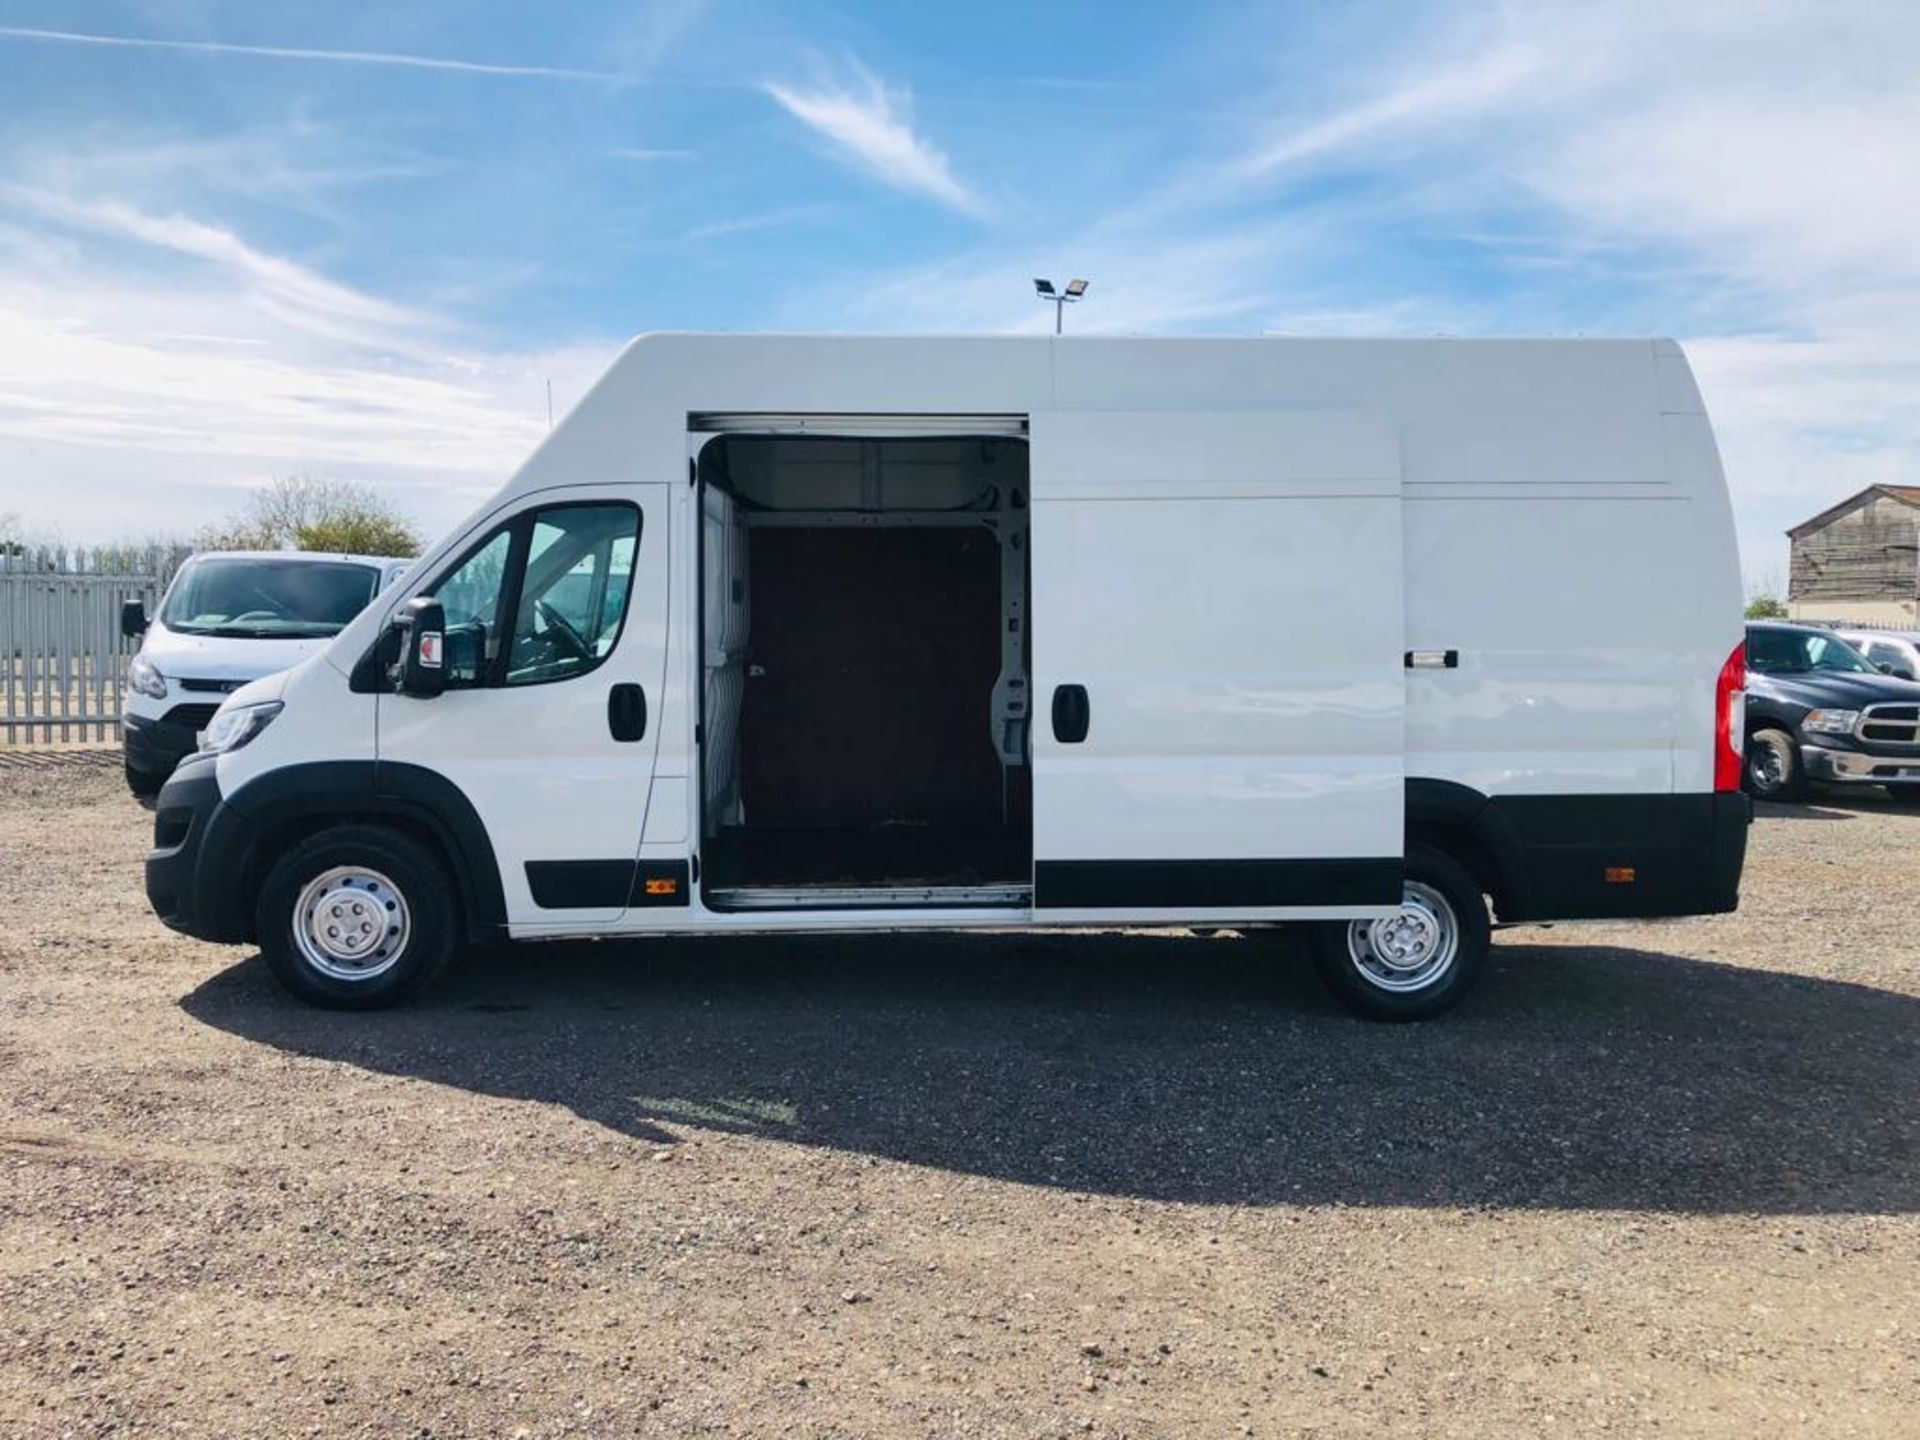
[[271, 632]]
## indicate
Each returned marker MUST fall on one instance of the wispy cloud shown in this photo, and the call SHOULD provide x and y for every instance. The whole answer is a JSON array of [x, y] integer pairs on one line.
[[873, 127], [644, 154], [299, 296], [396, 59], [1453, 93], [746, 224]]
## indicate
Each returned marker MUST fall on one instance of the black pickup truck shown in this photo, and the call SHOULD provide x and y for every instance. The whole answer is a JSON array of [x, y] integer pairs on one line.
[[1817, 709]]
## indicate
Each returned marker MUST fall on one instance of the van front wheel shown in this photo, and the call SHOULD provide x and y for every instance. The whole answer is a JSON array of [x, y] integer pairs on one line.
[[356, 918], [1419, 962]]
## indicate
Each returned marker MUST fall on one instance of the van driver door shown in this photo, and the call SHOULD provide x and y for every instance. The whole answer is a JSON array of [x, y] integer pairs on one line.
[[554, 657], [1217, 633]]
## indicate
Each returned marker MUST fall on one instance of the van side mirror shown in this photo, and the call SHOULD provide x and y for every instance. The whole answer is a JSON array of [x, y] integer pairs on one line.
[[133, 618], [422, 624]]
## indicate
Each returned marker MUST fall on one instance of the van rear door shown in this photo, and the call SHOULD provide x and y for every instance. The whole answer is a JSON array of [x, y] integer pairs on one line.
[[1217, 652]]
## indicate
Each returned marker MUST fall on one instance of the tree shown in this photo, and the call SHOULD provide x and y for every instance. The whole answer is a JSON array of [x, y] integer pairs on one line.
[[1766, 607], [11, 542], [358, 531], [300, 512]]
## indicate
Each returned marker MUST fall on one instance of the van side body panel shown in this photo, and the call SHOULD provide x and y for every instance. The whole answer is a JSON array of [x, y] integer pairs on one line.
[[1567, 537]]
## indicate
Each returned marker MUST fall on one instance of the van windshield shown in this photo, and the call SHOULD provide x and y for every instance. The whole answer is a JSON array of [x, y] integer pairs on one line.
[[1788, 652], [268, 599]]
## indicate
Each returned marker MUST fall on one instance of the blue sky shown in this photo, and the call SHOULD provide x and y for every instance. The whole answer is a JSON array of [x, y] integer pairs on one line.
[[243, 240]]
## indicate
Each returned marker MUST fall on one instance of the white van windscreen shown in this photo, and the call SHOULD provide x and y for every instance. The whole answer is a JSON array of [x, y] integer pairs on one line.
[[268, 600]]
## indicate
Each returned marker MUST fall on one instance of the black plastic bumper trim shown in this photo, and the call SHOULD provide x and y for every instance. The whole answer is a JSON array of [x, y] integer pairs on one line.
[[1606, 857], [607, 884], [154, 747], [1214, 884]]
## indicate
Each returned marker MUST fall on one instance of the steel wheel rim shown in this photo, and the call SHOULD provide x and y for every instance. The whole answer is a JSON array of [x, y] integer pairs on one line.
[[1409, 951], [351, 923], [1769, 765]]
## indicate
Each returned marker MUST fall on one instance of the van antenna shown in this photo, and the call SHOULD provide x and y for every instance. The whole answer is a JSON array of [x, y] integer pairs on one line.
[[549, 402]]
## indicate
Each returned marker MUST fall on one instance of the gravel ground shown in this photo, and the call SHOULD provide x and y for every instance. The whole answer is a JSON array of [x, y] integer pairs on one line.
[[1649, 1179]]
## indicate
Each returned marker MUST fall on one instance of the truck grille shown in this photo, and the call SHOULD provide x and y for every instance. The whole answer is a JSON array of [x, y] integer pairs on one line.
[[1890, 724], [194, 717]]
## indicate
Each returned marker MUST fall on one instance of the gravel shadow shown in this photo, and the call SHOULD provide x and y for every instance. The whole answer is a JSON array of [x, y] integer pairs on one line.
[[1181, 1069]]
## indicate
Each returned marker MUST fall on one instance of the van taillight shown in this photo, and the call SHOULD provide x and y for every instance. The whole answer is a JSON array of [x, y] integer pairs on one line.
[[1730, 719]]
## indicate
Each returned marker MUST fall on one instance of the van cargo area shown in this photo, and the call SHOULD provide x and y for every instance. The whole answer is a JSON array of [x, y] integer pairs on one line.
[[866, 679]]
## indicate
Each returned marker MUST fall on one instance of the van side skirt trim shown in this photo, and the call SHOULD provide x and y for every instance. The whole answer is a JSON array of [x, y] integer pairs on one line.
[[580, 884], [1211, 884], [607, 884]]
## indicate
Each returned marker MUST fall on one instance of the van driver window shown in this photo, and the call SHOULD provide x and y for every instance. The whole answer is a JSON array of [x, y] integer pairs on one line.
[[471, 598], [573, 597]]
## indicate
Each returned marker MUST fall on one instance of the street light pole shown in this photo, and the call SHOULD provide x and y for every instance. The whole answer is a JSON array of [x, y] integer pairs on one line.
[[1059, 299]]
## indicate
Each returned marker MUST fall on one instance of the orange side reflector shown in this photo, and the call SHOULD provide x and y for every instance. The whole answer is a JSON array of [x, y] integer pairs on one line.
[[662, 887], [1620, 874]]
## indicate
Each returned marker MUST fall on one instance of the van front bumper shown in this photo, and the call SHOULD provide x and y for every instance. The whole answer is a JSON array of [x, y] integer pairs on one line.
[[155, 747], [199, 850], [1859, 767]]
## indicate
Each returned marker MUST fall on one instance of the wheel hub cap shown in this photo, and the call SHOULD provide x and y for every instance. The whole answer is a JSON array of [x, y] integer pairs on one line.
[[1411, 950], [351, 923]]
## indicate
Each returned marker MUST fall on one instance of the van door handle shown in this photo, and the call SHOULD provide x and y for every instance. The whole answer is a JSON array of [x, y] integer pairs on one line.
[[627, 712], [1071, 714]]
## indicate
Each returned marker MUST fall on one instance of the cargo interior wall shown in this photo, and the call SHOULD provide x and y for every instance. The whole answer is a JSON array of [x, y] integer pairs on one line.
[[866, 667]]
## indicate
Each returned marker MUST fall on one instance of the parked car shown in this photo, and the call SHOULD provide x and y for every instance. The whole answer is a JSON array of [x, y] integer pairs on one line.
[[1893, 652], [1327, 632], [230, 617], [1817, 709]]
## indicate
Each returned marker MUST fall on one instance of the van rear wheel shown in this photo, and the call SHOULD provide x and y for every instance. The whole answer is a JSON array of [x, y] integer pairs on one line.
[[1419, 962], [356, 918]]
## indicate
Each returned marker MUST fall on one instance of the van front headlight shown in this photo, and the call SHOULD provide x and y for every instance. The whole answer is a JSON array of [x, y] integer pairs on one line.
[[230, 729], [145, 678], [1830, 722]]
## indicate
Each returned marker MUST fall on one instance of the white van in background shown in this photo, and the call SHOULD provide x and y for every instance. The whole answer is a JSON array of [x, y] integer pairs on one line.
[[229, 617], [832, 633]]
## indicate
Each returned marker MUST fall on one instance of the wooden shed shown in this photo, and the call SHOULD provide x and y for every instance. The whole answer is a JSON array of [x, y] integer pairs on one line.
[[1859, 561]]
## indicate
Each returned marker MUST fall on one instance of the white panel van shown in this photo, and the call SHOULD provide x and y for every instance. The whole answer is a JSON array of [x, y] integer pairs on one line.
[[228, 617], [1391, 638]]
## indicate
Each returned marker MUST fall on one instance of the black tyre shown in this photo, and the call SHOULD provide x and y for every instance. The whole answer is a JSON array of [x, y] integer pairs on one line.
[[1773, 767], [1422, 961], [357, 917]]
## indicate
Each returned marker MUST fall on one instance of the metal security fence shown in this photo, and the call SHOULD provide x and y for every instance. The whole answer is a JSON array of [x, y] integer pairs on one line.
[[62, 657]]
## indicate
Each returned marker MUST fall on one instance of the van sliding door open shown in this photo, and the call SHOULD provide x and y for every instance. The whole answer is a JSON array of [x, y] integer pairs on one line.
[[865, 686], [1217, 661]]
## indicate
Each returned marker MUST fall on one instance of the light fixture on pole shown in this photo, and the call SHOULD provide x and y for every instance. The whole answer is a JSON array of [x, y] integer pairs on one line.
[[1059, 299]]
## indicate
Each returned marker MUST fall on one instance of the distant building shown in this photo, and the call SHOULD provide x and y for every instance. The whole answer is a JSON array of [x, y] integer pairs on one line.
[[1859, 561]]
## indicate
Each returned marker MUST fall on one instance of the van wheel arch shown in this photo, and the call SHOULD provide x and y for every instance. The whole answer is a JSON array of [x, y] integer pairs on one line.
[[289, 834], [285, 808], [1452, 818]]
